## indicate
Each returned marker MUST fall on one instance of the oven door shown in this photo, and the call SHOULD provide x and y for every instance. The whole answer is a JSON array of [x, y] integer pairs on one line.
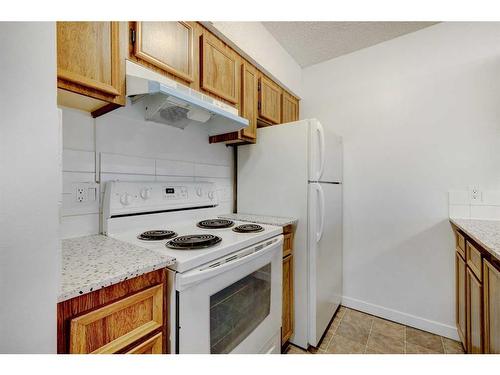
[[232, 305]]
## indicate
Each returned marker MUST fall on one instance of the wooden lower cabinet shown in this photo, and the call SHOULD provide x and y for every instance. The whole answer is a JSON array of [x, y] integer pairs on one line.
[[150, 346], [287, 312], [491, 289], [461, 307], [287, 306], [474, 314], [477, 296], [129, 317]]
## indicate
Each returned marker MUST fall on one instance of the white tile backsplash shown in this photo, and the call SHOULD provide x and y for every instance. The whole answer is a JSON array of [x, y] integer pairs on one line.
[[78, 161], [462, 206], [174, 168], [113, 163], [130, 149]]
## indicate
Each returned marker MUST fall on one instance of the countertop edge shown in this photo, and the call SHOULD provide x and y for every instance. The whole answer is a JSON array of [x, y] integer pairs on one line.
[[493, 252], [92, 287], [288, 221]]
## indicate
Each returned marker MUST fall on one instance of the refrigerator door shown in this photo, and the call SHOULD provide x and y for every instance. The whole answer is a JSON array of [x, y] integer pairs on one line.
[[325, 154], [325, 256]]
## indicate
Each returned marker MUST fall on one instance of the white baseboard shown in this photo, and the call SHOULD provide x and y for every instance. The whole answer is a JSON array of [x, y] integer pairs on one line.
[[401, 317]]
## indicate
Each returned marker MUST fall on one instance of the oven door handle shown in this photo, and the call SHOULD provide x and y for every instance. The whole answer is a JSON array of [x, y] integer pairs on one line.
[[189, 278]]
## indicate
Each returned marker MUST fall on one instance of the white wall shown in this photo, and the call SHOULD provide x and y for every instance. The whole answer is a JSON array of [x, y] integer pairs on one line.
[[420, 115], [121, 145], [29, 188], [254, 40]]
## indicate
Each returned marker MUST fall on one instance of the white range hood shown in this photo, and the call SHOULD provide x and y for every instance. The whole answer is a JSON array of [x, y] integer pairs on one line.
[[171, 103]]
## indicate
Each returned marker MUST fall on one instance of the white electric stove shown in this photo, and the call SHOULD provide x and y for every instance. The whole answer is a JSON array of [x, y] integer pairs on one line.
[[225, 292]]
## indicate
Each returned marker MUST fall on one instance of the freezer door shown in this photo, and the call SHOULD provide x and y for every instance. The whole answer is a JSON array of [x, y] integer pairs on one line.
[[325, 153], [325, 256]]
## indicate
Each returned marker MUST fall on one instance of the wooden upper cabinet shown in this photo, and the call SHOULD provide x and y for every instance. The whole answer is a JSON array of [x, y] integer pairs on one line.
[[491, 285], [88, 55], [290, 108], [218, 68], [168, 46], [249, 99], [269, 100]]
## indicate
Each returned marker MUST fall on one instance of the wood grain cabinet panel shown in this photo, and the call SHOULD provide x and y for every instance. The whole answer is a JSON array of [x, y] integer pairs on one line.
[[461, 307], [289, 108], [474, 314], [491, 291], [269, 100], [168, 46], [287, 307], [150, 346], [113, 327], [90, 65], [460, 243], [474, 260], [218, 69], [249, 99]]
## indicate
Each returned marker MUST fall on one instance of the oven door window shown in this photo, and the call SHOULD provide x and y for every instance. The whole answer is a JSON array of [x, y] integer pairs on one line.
[[238, 309]]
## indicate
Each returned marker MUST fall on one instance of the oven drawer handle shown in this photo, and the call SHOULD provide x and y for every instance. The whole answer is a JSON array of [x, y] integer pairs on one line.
[[195, 276]]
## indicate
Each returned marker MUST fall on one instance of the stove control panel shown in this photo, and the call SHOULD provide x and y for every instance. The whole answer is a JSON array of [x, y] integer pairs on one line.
[[122, 198]]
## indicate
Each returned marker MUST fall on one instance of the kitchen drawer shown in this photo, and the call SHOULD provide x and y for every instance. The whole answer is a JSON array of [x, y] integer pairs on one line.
[[287, 244], [150, 346], [474, 261], [460, 243], [113, 327]]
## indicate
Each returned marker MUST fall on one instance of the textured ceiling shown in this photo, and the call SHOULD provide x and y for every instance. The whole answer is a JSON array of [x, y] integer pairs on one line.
[[313, 42]]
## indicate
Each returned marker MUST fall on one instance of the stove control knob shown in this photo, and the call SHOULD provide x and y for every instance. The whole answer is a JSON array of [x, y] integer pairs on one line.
[[199, 191], [211, 195], [125, 199], [146, 193]]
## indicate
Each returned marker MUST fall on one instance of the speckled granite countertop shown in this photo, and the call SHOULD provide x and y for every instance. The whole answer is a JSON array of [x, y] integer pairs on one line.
[[485, 232], [260, 219], [94, 262]]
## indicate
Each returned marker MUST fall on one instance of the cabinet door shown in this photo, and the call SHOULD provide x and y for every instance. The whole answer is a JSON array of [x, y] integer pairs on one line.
[[287, 308], [290, 108], [491, 308], [269, 100], [113, 327], [474, 314], [461, 308], [88, 56], [218, 69], [150, 346], [166, 45], [249, 99]]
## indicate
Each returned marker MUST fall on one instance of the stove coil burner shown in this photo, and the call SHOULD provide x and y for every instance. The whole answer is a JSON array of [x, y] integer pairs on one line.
[[248, 228], [193, 242], [215, 224], [157, 235]]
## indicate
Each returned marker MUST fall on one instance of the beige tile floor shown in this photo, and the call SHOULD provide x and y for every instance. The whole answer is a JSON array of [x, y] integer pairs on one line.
[[354, 332]]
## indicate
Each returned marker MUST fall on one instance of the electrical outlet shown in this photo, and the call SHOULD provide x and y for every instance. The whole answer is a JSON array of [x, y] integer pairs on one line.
[[81, 193], [476, 196], [85, 192]]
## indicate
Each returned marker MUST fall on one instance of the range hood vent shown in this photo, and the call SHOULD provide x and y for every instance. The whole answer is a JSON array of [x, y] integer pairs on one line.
[[168, 102]]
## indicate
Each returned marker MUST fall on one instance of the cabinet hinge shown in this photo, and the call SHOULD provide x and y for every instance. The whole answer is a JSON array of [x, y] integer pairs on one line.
[[258, 86], [132, 36]]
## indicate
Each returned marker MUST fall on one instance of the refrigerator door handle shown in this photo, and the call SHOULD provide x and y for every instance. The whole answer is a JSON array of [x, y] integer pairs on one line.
[[321, 204], [321, 134]]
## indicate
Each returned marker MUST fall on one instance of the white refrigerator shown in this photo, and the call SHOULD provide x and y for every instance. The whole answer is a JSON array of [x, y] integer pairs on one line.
[[295, 169]]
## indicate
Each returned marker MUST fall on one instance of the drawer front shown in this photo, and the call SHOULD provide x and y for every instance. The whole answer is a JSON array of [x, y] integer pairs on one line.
[[150, 346], [460, 243], [474, 261], [287, 244], [113, 327]]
